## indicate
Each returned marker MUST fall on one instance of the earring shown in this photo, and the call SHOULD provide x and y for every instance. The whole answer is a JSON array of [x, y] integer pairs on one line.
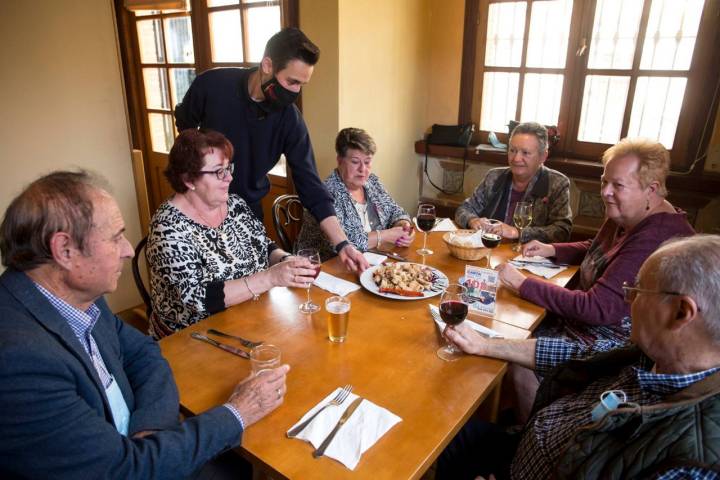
[[192, 187], [647, 205]]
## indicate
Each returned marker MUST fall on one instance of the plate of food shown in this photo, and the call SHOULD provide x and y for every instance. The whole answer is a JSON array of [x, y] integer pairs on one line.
[[404, 281]]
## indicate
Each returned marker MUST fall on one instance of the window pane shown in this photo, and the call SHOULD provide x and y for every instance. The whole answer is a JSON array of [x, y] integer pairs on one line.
[[671, 33], [541, 98], [262, 23], [547, 47], [226, 41], [499, 100], [656, 108], [161, 131], [506, 28], [603, 107], [180, 80], [150, 41], [220, 3], [156, 88], [615, 33], [178, 35]]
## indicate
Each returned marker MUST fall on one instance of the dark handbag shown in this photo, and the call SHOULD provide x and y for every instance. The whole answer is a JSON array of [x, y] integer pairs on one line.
[[453, 136]]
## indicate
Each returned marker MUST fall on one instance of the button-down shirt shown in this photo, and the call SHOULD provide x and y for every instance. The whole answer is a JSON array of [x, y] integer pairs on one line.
[[82, 323], [552, 428]]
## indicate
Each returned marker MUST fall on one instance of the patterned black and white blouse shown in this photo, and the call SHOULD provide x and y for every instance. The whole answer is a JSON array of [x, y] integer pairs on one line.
[[189, 262], [388, 213]]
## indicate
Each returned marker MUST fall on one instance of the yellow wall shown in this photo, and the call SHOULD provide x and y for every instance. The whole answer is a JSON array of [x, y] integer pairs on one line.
[[62, 103], [319, 20]]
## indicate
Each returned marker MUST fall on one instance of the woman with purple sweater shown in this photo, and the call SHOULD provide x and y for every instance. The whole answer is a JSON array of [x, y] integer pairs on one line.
[[638, 220]]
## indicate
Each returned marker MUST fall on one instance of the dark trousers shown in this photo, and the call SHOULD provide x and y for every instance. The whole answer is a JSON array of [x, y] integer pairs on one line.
[[226, 466], [480, 448]]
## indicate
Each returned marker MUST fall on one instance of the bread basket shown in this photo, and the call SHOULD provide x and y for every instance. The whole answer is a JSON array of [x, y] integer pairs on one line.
[[463, 252]]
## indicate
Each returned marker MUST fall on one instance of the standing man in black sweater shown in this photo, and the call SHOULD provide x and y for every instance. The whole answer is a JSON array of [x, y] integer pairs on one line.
[[254, 108]]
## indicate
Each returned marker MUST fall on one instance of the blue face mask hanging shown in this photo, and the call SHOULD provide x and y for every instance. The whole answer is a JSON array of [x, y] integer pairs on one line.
[[609, 401]]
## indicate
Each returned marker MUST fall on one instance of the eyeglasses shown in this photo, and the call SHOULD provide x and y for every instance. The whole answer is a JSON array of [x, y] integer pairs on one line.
[[630, 292], [222, 172]]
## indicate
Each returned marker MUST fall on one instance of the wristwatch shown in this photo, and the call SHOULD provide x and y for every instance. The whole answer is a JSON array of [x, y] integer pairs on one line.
[[338, 248]]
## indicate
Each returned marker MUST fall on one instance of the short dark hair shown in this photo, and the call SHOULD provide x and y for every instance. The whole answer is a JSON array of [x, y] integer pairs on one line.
[[61, 201], [186, 155], [355, 138], [535, 129], [290, 44]]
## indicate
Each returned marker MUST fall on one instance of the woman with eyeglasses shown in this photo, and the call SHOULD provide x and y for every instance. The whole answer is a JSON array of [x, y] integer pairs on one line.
[[206, 249]]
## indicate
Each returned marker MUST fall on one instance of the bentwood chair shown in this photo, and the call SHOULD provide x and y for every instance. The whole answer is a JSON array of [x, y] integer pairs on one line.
[[287, 213], [140, 250]]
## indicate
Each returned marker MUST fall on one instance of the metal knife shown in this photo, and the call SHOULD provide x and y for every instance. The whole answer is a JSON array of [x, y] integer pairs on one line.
[[345, 416], [227, 348], [526, 263], [245, 342], [393, 255]]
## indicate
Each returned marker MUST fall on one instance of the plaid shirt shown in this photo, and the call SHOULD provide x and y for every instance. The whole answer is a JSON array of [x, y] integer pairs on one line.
[[82, 324], [552, 428]]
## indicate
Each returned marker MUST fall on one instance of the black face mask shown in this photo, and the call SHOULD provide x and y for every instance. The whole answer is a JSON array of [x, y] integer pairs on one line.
[[277, 97]]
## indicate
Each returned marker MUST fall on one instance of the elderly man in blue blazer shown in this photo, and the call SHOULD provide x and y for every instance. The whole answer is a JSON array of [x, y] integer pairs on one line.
[[82, 395]]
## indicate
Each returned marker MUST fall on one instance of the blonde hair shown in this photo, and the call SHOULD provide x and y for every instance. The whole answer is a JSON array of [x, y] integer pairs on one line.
[[654, 160]]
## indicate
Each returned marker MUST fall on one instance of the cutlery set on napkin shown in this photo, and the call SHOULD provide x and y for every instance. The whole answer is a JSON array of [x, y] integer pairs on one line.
[[540, 266], [344, 432]]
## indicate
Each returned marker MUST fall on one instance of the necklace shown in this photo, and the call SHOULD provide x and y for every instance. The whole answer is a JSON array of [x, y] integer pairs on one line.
[[216, 224]]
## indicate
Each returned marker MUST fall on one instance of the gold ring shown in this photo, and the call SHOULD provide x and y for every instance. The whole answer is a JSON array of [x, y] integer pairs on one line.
[[278, 393]]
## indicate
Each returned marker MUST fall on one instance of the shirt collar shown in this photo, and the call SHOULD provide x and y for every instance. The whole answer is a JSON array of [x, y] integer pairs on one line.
[[81, 322], [666, 383]]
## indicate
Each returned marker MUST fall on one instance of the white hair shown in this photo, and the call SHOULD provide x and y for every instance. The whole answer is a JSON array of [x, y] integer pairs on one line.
[[691, 266]]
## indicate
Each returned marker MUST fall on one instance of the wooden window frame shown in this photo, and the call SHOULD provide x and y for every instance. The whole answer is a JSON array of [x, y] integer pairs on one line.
[[697, 114]]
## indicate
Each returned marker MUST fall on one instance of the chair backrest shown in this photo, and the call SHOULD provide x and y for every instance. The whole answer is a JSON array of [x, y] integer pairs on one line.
[[287, 213], [140, 250]]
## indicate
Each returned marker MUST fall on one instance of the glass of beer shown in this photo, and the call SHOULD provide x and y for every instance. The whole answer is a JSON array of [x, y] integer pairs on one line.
[[338, 309], [264, 357]]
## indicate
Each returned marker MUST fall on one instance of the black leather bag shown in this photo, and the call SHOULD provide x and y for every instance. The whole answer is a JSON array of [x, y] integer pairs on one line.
[[453, 136]]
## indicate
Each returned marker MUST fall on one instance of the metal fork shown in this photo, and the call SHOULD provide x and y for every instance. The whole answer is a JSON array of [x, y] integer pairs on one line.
[[246, 343], [336, 401]]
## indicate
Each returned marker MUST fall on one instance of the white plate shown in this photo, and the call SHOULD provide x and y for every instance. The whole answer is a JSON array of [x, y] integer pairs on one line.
[[366, 281]]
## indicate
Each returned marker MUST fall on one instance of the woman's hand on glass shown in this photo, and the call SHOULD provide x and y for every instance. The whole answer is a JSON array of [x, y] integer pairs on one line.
[[294, 272], [535, 248], [510, 277]]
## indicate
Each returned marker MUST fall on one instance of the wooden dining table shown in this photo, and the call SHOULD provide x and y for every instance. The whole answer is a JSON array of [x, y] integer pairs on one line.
[[388, 357]]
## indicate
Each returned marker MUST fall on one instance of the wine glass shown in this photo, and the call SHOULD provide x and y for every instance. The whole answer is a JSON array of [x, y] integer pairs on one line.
[[425, 222], [314, 256], [522, 219], [490, 241], [453, 310]]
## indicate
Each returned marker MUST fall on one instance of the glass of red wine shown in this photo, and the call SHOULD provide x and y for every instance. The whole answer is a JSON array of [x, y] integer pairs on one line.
[[453, 310], [425, 222], [314, 256], [490, 241]]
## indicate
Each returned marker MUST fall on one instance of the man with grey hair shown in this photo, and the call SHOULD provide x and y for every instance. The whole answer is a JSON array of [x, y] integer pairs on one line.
[[82, 394], [650, 410], [525, 179]]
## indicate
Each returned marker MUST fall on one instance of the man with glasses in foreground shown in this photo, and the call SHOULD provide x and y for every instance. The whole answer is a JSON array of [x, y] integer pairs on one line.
[[650, 409], [82, 394]]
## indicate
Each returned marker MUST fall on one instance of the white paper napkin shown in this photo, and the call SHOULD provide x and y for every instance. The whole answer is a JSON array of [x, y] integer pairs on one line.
[[374, 259], [444, 225], [488, 332], [546, 272], [364, 427], [335, 285]]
